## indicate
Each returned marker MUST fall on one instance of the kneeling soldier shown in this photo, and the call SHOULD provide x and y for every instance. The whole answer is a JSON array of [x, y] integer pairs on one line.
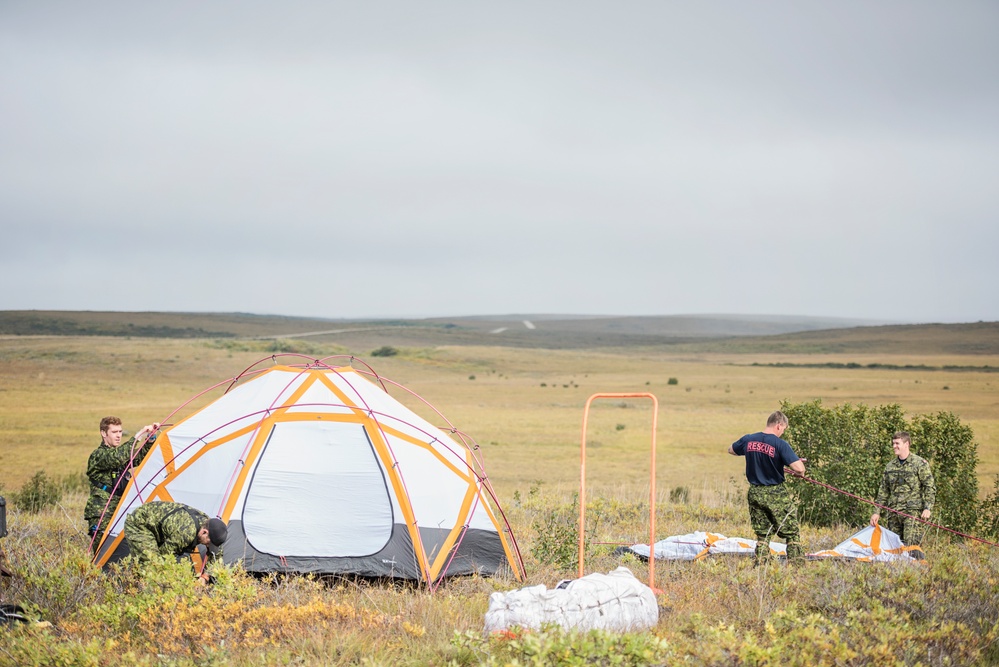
[[172, 529]]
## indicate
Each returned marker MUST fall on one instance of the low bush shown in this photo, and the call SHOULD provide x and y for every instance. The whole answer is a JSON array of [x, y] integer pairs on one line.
[[552, 646], [679, 495], [988, 513], [38, 493], [556, 533]]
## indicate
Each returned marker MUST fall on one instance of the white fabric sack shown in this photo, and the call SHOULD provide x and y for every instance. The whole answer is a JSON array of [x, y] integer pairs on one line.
[[697, 545], [614, 601]]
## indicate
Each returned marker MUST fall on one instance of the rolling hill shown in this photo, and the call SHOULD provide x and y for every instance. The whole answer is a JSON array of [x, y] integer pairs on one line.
[[702, 333]]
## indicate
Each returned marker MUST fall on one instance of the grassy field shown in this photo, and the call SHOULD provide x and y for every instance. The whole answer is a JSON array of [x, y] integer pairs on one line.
[[720, 611], [524, 407]]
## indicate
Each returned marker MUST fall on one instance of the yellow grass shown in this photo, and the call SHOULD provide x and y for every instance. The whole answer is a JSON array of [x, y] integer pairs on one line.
[[55, 390]]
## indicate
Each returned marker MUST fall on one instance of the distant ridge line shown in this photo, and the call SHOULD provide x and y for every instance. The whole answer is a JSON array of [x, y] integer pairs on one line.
[[724, 334]]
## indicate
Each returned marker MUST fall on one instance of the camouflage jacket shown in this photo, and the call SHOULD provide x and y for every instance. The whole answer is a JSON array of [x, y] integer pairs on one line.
[[907, 485], [105, 466], [166, 528]]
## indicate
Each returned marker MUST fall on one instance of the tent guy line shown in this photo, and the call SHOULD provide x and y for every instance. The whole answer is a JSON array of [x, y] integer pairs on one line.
[[863, 500], [900, 513]]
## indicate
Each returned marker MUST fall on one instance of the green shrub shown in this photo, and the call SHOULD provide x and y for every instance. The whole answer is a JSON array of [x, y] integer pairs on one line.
[[679, 495], [672, 381], [848, 446], [553, 646], [75, 482], [557, 530], [385, 351], [55, 582], [38, 493], [988, 513], [26, 647]]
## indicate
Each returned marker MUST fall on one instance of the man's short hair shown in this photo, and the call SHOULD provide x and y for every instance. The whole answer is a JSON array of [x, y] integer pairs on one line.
[[903, 436], [776, 418], [109, 421]]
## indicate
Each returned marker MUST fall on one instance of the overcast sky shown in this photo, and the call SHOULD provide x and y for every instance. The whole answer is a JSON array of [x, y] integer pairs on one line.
[[455, 158]]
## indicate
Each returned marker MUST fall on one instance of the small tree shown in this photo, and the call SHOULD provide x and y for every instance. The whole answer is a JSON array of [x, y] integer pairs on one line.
[[848, 447], [38, 493], [950, 448]]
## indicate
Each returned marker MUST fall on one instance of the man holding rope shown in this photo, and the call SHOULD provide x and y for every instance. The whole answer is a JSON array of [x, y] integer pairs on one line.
[[107, 470], [771, 508], [907, 486]]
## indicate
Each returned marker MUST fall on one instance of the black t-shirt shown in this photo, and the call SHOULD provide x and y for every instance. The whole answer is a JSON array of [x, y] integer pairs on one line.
[[766, 455]]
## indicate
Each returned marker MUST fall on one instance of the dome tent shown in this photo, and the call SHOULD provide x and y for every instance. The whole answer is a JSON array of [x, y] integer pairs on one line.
[[318, 469]]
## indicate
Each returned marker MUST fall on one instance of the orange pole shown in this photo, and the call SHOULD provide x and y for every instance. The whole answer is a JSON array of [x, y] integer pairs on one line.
[[652, 482]]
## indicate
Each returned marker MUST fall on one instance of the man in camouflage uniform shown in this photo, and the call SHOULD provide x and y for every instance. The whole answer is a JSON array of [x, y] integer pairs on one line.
[[907, 486], [772, 510], [106, 470], [172, 529]]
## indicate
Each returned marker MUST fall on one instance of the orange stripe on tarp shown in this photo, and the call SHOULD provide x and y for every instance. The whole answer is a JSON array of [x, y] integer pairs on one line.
[[828, 552], [876, 540]]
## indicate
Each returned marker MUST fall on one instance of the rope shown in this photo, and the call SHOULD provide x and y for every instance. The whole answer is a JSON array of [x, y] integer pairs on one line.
[[869, 502], [136, 448], [900, 513]]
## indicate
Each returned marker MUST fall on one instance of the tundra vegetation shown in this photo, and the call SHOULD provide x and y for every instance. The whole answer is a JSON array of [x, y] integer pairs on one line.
[[524, 410]]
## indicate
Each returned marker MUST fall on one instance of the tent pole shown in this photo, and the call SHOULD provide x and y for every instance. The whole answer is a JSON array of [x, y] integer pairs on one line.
[[652, 482]]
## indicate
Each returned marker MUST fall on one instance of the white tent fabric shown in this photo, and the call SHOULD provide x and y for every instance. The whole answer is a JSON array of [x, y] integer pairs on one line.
[[329, 465], [319, 469], [615, 601]]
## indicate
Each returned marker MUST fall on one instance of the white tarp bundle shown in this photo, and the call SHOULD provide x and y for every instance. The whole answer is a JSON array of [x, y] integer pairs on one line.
[[873, 543], [614, 601], [693, 546]]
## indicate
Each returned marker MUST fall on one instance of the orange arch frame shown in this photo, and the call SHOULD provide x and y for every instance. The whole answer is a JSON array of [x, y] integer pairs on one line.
[[652, 482]]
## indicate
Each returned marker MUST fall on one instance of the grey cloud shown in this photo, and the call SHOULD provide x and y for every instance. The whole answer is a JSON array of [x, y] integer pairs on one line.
[[552, 155]]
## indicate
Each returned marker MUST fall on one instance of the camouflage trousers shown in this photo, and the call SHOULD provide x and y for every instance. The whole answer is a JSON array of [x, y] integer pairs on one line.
[[99, 505], [910, 530], [772, 511]]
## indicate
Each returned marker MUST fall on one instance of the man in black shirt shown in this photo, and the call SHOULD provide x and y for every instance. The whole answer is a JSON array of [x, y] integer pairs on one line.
[[771, 508]]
